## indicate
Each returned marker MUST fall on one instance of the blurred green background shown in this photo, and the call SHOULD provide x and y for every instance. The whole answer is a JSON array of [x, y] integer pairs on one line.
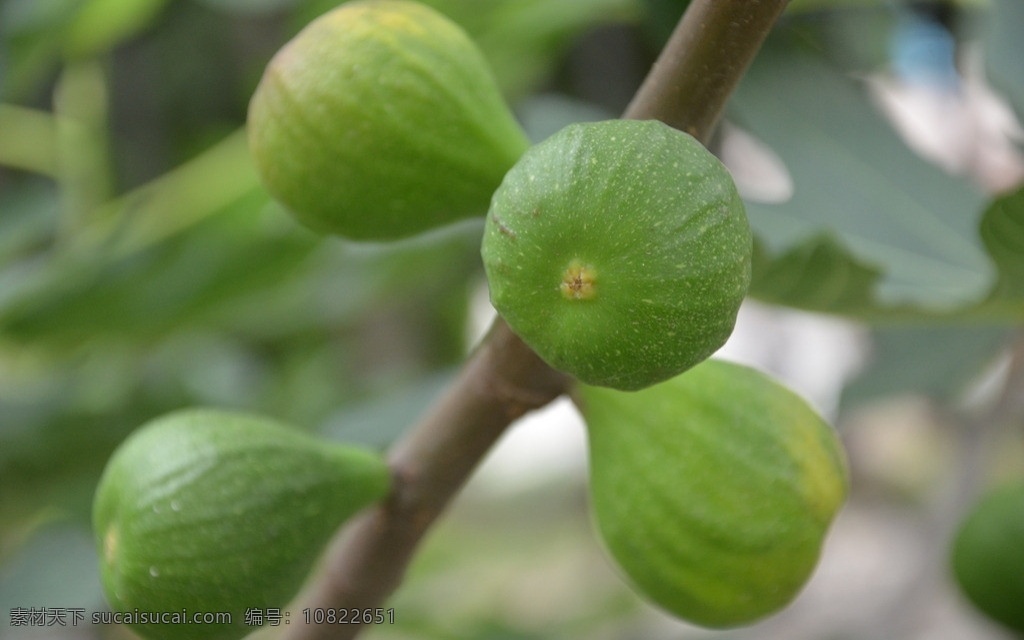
[[143, 269]]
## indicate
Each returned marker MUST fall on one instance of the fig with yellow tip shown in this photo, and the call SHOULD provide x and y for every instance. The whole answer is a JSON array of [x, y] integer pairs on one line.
[[713, 491], [380, 120]]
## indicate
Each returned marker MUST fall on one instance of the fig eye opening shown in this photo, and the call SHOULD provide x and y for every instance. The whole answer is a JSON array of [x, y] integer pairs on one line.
[[578, 281]]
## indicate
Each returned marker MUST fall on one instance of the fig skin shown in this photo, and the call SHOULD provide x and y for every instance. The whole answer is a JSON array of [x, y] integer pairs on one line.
[[619, 251], [713, 491], [381, 120], [988, 555], [208, 511]]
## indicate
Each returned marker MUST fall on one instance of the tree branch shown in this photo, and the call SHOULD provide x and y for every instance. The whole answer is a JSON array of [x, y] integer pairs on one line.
[[503, 379], [702, 62]]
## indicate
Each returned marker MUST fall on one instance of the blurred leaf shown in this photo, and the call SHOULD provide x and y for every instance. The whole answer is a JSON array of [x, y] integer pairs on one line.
[[660, 18], [56, 568], [378, 422], [199, 188], [936, 361], [524, 39], [28, 217], [1004, 49], [889, 210], [29, 139], [1002, 231], [152, 292], [827, 5], [84, 171], [815, 274], [544, 114], [30, 37], [249, 7], [100, 25], [38, 34], [52, 450]]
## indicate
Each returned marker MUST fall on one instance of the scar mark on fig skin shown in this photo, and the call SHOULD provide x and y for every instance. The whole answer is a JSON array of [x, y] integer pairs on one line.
[[578, 282], [503, 229]]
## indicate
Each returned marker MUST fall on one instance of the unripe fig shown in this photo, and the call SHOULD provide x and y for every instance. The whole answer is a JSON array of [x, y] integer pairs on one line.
[[207, 512], [379, 120], [713, 491], [619, 251], [988, 555]]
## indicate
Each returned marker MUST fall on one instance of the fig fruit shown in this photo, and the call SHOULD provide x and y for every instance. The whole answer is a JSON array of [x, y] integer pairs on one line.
[[988, 555], [380, 120], [713, 491], [209, 512], [619, 251]]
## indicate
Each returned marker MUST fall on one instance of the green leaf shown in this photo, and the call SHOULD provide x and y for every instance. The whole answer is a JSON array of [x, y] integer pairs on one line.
[[1002, 231], [174, 202], [249, 7], [1004, 49], [30, 139], [816, 274], [888, 210], [100, 25], [55, 568], [155, 291], [28, 219], [379, 421], [935, 361], [525, 39]]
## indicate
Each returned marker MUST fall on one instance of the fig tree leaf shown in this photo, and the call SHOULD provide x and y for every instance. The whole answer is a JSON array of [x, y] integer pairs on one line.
[[817, 274], [1002, 231], [937, 361], [55, 567], [151, 292], [379, 421], [30, 139], [100, 25], [888, 209], [1004, 50]]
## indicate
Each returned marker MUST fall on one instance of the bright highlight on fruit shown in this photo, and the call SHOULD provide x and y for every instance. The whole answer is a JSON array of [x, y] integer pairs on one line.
[[208, 511], [619, 251], [713, 491], [381, 120]]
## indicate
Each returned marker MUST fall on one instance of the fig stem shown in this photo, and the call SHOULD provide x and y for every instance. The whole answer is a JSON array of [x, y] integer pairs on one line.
[[687, 88]]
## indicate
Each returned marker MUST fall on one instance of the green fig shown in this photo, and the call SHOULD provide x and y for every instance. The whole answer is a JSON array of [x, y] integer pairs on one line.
[[988, 555], [619, 251], [210, 512], [713, 491], [381, 120]]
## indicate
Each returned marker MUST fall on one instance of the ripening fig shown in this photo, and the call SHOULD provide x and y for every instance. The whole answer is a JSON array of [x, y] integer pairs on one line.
[[380, 120], [988, 555], [713, 491], [205, 511], [619, 251]]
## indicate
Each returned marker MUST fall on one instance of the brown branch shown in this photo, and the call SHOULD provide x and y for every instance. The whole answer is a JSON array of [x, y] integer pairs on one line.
[[702, 62], [503, 379]]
